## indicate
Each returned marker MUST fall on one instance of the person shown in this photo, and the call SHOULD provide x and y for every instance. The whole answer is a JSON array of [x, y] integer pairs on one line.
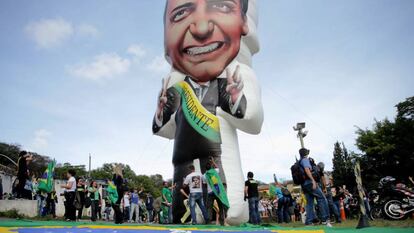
[[126, 205], [284, 204], [312, 190], [158, 210], [23, 174], [297, 210], [261, 206], [251, 193], [166, 203], [326, 186], [70, 189], [149, 203], [118, 181], [1, 188], [194, 181], [51, 201], [107, 210], [134, 206], [202, 38], [282, 208], [100, 204], [94, 196], [214, 194]]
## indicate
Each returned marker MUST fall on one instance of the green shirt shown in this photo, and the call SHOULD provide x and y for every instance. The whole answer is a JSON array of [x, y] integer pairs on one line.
[[93, 195], [167, 193]]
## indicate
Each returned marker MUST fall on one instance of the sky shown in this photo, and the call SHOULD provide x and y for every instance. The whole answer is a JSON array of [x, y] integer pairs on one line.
[[81, 77]]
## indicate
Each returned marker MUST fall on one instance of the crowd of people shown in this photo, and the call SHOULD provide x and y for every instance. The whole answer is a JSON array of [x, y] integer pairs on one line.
[[200, 197]]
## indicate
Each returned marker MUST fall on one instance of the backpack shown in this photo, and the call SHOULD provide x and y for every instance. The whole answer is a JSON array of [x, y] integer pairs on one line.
[[285, 192], [315, 170], [297, 173]]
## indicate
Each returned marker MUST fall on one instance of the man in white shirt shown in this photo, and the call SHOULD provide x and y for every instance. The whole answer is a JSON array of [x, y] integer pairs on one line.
[[195, 181], [126, 204], [70, 188]]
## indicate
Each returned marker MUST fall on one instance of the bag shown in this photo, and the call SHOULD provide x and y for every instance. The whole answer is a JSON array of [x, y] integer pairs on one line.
[[28, 185], [297, 173], [285, 192], [88, 202], [315, 170], [77, 203]]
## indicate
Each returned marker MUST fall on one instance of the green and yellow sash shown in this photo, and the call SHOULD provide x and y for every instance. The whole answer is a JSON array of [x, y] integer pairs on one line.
[[203, 121]]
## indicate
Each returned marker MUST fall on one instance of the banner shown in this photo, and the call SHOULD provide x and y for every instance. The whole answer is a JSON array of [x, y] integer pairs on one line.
[[202, 121], [357, 172], [46, 181]]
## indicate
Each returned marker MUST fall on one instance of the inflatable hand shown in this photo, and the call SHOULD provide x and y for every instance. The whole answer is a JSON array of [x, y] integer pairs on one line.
[[234, 84], [162, 99]]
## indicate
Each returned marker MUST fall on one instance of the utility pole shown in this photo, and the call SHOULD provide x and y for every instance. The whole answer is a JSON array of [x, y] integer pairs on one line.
[[301, 134], [89, 165]]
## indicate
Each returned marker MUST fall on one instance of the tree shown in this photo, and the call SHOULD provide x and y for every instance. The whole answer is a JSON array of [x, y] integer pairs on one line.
[[61, 170], [343, 165], [388, 148], [36, 167], [11, 151], [152, 184]]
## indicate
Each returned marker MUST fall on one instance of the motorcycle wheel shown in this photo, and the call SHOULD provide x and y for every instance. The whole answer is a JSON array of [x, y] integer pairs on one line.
[[376, 213], [393, 210]]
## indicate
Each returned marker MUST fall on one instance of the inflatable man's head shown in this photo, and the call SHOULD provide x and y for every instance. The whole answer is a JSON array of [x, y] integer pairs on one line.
[[201, 37]]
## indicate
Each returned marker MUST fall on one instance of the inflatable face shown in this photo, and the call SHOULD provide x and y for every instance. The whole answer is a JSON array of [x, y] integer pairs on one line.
[[203, 36]]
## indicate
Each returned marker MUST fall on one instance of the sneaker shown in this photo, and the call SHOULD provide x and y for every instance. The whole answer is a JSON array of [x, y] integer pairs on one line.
[[327, 224]]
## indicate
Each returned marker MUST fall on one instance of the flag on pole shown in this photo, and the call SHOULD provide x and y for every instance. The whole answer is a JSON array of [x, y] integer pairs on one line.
[[272, 190], [46, 181], [112, 192], [214, 180]]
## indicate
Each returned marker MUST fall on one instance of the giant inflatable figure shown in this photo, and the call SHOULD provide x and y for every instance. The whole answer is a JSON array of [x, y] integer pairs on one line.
[[210, 92]]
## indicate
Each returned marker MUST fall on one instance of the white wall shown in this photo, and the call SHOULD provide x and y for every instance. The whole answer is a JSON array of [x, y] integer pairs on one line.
[[7, 181], [25, 207]]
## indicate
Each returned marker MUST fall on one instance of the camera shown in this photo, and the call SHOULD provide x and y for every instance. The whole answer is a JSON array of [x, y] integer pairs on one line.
[[299, 126]]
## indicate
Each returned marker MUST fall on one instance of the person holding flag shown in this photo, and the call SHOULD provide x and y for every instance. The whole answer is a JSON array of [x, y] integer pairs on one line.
[[216, 191], [45, 183], [44, 186]]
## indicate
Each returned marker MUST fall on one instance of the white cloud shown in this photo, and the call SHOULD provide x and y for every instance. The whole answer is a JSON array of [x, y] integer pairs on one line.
[[137, 51], [159, 64], [49, 33], [106, 65], [41, 138], [87, 30]]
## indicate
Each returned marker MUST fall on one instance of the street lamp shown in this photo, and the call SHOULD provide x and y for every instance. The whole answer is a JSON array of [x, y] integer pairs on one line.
[[301, 134]]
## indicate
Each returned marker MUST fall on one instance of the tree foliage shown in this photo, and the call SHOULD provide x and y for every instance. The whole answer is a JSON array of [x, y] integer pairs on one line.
[[152, 184], [36, 167], [388, 148], [61, 170], [343, 166]]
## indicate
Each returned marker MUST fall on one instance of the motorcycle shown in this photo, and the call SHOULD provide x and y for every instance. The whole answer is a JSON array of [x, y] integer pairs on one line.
[[395, 201], [376, 205]]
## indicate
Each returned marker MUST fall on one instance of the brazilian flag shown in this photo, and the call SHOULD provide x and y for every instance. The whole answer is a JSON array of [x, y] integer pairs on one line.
[[214, 180], [272, 190], [46, 180], [112, 192]]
